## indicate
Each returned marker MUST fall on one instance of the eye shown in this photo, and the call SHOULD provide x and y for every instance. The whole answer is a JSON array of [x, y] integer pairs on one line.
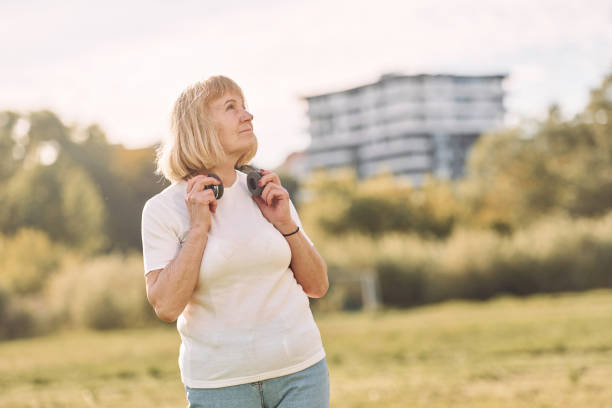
[[230, 106]]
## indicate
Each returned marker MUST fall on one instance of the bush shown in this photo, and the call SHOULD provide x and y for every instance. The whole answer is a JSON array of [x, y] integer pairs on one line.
[[104, 293], [102, 312], [27, 259], [556, 254], [15, 319], [402, 287], [340, 204]]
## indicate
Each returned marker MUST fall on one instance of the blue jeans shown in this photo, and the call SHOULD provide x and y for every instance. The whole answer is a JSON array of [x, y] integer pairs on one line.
[[308, 388]]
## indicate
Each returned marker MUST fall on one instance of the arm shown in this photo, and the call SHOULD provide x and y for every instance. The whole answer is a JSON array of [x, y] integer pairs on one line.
[[170, 289], [308, 266]]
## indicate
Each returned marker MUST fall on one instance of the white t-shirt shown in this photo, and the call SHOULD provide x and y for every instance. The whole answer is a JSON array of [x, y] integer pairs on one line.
[[248, 319]]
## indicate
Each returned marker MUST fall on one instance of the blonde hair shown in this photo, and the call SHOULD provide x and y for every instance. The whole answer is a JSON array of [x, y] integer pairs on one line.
[[194, 145]]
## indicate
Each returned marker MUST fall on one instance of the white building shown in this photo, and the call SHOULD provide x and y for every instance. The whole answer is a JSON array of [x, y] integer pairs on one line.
[[410, 124]]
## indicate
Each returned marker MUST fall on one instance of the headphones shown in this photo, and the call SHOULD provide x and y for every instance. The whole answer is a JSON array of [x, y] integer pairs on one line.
[[253, 176]]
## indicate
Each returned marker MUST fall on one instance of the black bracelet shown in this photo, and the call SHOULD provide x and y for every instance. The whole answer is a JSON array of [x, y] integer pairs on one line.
[[291, 233]]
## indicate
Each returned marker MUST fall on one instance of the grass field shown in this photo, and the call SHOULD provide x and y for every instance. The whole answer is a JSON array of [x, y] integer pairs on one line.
[[541, 351]]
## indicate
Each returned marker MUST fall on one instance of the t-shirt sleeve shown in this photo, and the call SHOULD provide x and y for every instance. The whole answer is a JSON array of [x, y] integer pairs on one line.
[[159, 241], [296, 218]]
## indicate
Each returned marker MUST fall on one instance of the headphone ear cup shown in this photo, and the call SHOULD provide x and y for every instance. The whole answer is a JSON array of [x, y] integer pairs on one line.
[[217, 190], [252, 179]]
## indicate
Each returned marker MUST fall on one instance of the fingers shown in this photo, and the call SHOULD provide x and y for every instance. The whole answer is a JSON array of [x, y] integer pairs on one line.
[[213, 203], [271, 181], [196, 191], [259, 201], [201, 197], [273, 192], [268, 177], [199, 182]]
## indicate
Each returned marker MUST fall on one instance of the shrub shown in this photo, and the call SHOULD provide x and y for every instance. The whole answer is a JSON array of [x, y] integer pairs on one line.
[[556, 254], [103, 293], [27, 259], [400, 286], [15, 319]]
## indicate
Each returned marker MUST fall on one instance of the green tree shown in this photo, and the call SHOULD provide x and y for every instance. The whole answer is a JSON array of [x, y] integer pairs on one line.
[[10, 155], [340, 204], [517, 175], [89, 176], [27, 260], [59, 199]]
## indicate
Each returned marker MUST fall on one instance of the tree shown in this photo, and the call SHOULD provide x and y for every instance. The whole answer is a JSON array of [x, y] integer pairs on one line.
[[59, 199], [84, 175], [515, 175]]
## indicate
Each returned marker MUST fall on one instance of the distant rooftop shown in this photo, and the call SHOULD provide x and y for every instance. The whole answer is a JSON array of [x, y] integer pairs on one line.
[[392, 76]]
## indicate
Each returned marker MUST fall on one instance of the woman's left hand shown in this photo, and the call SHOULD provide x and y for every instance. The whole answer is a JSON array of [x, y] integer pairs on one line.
[[274, 203]]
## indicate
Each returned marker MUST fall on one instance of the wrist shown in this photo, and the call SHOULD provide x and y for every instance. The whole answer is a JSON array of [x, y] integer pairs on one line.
[[286, 228], [198, 229], [292, 233]]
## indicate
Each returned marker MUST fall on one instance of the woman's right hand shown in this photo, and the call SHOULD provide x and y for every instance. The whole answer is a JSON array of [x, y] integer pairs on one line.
[[200, 201]]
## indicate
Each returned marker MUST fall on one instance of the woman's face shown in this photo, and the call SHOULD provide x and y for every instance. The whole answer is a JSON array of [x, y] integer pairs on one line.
[[233, 124]]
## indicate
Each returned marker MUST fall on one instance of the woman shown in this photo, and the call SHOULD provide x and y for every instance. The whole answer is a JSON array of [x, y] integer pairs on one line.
[[235, 273]]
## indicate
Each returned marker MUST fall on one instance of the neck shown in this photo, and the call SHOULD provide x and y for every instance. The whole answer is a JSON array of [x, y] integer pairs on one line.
[[226, 172]]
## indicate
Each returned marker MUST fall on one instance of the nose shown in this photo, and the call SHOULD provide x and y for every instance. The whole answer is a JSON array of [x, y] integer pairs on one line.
[[246, 115]]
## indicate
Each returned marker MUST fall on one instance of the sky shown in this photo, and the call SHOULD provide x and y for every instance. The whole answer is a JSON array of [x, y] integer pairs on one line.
[[122, 64]]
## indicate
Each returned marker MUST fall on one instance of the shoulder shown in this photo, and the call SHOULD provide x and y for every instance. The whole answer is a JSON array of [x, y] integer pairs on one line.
[[166, 200]]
